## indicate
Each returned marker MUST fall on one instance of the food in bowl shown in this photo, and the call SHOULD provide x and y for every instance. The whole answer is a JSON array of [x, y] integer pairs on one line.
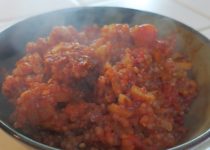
[[102, 88]]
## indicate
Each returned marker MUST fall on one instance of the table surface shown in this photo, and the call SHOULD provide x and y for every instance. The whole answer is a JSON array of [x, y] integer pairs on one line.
[[193, 13]]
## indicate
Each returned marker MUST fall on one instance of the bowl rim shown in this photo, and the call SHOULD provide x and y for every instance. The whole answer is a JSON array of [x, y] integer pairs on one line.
[[21, 137]]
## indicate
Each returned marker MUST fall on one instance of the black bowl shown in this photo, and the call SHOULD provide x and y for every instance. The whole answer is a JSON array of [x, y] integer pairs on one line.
[[14, 39]]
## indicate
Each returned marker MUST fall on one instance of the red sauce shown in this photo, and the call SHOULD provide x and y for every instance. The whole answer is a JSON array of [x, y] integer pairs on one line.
[[110, 88]]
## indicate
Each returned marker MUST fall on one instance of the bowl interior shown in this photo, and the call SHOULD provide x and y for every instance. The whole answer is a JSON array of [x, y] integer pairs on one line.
[[13, 40]]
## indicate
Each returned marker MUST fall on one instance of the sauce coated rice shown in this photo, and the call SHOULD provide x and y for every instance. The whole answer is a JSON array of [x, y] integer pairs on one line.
[[110, 88]]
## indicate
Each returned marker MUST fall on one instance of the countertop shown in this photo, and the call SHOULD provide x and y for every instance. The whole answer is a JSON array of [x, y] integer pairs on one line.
[[195, 14]]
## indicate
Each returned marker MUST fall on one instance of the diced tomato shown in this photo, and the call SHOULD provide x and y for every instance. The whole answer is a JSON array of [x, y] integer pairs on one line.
[[144, 35]]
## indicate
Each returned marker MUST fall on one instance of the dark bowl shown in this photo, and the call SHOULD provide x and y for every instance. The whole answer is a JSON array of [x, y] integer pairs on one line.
[[14, 39]]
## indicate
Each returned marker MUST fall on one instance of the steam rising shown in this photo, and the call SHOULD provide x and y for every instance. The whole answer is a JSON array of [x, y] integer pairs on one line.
[[14, 39]]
